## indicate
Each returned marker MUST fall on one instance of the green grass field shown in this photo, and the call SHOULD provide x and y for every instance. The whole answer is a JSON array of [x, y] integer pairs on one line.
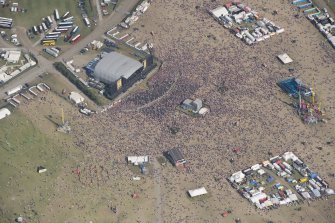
[[22, 148], [37, 9]]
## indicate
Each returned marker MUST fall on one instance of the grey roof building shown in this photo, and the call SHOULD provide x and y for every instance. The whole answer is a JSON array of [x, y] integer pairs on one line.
[[194, 106], [114, 66], [175, 156]]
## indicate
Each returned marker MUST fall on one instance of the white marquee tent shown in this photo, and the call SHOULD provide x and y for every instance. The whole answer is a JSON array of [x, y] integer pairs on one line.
[[197, 192]]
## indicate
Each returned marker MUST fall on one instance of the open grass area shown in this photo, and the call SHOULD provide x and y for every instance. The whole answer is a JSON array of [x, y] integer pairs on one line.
[[38, 9], [22, 148]]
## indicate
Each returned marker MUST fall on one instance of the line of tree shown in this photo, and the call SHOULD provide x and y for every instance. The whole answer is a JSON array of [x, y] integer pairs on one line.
[[74, 80]]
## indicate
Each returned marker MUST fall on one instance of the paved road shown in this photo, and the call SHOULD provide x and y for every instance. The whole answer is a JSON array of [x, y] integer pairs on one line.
[[97, 2], [46, 65]]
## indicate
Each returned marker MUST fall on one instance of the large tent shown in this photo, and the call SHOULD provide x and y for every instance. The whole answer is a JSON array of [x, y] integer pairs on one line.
[[220, 11], [76, 97], [4, 112]]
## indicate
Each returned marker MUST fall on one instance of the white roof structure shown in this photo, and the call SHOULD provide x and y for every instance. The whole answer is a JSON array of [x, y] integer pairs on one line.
[[330, 191], [197, 192], [332, 40], [137, 159], [114, 65], [220, 11], [203, 111], [4, 112], [237, 177], [257, 197], [289, 156], [284, 58], [306, 195], [76, 97], [293, 197], [12, 56]]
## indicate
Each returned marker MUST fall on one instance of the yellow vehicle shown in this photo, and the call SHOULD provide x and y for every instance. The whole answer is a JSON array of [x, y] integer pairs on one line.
[[48, 42], [303, 180]]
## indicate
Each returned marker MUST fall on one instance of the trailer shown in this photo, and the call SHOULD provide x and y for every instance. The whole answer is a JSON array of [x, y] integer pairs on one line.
[[56, 15], [45, 28], [51, 52], [68, 19], [65, 15], [74, 30], [87, 22], [75, 39], [14, 90]]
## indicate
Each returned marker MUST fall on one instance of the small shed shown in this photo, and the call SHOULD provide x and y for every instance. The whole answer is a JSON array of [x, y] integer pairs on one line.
[[176, 157], [4, 112], [197, 192], [76, 97], [284, 58]]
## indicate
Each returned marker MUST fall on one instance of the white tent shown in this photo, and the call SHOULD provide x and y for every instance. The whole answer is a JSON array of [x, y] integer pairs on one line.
[[197, 192], [4, 112], [284, 58], [76, 97], [237, 177], [289, 156], [137, 159], [12, 56], [220, 11], [257, 197]]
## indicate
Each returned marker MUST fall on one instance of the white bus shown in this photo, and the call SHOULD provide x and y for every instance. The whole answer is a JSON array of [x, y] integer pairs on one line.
[[87, 22]]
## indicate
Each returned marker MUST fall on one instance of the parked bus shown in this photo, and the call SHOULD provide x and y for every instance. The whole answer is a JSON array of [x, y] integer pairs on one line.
[[35, 29], [56, 15], [75, 39], [68, 19], [74, 30], [51, 52], [48, 42], [65, 15], [49, 19], [45, 28], [65, 27], [6, 19], [65, 24], [87, 22], [55, 50], [54, 33], [6, 24]]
